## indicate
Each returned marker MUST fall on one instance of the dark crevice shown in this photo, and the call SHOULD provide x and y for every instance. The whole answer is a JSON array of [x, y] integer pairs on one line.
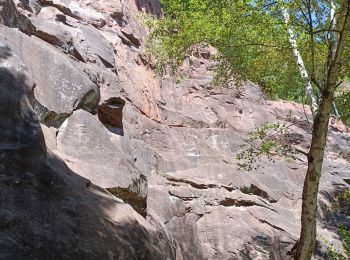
[[62, 8], [255, 190], [199, 186], [134, 199], [47, 117], [182, 198], [268, 223], [176, 126], [193, 184], [110, 113], [107, 64], [130, 36], [89, 102], [229, 202]]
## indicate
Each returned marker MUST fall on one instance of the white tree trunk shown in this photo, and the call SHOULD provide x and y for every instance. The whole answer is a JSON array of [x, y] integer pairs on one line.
[[299, 61], [333, 34], [334, 42]]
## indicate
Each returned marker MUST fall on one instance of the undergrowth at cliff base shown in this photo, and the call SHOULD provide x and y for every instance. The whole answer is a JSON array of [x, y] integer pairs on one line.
[[340, 207]]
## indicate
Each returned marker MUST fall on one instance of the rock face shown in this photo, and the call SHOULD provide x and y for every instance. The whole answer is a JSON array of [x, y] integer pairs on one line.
[[87, 127], [47, 210]]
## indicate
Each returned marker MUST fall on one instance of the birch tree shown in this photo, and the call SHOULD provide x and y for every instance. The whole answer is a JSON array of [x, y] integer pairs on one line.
[[300, 63]]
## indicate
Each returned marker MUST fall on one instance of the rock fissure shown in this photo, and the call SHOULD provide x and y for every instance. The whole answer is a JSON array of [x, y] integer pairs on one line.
[[267, 222], [200, 186], [255, 190]]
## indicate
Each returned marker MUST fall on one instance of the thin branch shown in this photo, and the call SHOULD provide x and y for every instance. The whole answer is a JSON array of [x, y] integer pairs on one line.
[[316, 83], [258, 44], [303, 14], [301, 151], [339, 83], [336, 62], [326, 30], [312, 43]]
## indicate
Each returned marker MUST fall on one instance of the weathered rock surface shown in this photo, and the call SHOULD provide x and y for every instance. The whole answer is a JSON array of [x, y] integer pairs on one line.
[[60, 87], [47, 210], [167, 148]]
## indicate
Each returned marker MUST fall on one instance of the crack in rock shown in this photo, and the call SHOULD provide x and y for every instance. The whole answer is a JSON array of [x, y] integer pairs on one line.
[[255, 190], [199, 186], [268, 223]]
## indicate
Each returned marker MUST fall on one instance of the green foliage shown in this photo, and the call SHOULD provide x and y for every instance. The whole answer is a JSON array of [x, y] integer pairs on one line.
[[345, 236], [332, 253], [267, 141], [342, 201], [341, 205], [343, 101], [252, 42]]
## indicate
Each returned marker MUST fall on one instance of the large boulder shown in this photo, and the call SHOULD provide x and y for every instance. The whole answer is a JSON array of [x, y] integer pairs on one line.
[[60, 87], [47, 210], [98, 154]]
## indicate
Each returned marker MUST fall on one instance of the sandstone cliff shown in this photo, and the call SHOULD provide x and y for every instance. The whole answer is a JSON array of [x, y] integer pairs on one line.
[[87, 129]]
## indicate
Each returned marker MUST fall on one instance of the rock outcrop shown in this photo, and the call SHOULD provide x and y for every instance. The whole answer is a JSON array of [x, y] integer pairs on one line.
[[87, 128], [47, 210]]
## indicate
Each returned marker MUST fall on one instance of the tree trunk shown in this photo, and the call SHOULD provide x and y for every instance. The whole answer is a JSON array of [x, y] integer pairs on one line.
[[307, 240], [312, 100]]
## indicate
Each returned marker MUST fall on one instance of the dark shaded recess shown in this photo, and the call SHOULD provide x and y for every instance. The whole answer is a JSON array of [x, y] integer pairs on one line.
[[293, 138], [338, 211], [131, 37], [9, 16], [106, 63], [273, 248], [33, 6], [137, 202], [46, 210], [255, 190], [150, 6], [110, 113], [227, 202], [335, 214]]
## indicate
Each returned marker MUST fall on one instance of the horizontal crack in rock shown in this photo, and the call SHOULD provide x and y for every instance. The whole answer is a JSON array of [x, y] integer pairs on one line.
[[229, 202], [199, 185], [182, 198], [255, 190]]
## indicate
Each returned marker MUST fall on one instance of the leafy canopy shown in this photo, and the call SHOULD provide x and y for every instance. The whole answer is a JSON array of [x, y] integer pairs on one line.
[[251, 39]]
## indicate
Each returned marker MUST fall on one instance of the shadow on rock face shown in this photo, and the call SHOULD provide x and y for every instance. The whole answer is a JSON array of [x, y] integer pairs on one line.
[[336, 214], [5, 52], [263, 247], [46, 210], [150, 6]]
